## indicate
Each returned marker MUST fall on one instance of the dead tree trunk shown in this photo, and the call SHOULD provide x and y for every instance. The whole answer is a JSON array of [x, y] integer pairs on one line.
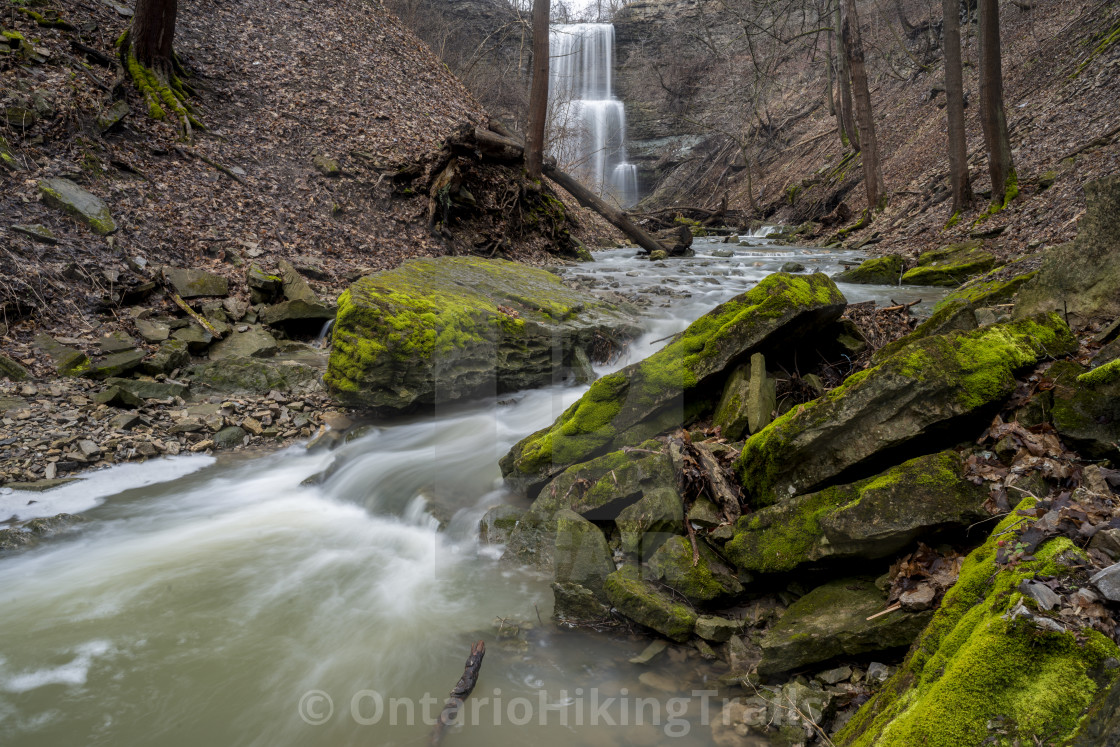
[[954, 107], [992, 117], [538, 93], [872, 171], [153, 31], [590, 200]]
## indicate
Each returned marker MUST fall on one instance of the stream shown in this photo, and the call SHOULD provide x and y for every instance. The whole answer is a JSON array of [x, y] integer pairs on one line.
[[220, 601]]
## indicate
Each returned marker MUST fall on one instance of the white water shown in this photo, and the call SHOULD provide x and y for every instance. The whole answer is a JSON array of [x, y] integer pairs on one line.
[[204, 602], [588, 123]]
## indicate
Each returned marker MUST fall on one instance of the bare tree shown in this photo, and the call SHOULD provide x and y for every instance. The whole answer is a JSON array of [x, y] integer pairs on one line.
[[538, 94], [853, 46], [992, 117], [954, 106], [848, 133]]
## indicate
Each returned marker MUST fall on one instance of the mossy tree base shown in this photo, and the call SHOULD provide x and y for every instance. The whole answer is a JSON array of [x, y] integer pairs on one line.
[[164, 90]]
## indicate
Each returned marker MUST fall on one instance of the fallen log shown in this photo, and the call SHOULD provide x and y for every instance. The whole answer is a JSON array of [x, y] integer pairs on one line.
[[459, 693]]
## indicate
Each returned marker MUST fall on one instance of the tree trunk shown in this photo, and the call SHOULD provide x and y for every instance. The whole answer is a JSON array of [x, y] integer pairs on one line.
[[153, 30], [538, 93], [872, 172], [847, 121], [750, 181], [954, 106], [589, 199], [828, 93], [992, 116]]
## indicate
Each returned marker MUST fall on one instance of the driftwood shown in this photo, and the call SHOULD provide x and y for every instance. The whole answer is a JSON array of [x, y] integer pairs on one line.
[[459, 693], [498, 143], [724, 494]]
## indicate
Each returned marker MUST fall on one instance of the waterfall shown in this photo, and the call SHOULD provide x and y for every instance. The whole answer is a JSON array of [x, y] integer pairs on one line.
[[588, 123]]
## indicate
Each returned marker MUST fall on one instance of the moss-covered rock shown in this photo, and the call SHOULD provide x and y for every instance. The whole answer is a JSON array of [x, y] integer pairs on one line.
[[116, 364], [645, 604], [957, 311], [170, 354], [951, 265], [832, 620], [731, 412], [635, 490], [1081, 279], [191, 283], [68, 197], [884, 270], [872, 518], [981, 671], [710, 580], [67, 361], [635, 403], [11, 370], [581, 554], [448, 328], [1086, 409], [922, 388]]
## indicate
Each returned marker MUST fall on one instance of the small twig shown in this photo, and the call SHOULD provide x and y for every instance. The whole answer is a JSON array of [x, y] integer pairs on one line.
[[459, 693], [212, 162], [888, 610]]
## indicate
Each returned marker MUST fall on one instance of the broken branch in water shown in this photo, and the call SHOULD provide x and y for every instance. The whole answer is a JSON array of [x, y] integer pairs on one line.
[[459, 693]]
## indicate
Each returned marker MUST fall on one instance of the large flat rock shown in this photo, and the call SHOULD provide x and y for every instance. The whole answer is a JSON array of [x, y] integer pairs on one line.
[[67, 196], [917, 393], [440, 330], [654, 395]]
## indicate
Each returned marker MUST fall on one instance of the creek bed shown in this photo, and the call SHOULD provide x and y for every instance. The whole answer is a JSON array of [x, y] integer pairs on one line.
[[225, 600]]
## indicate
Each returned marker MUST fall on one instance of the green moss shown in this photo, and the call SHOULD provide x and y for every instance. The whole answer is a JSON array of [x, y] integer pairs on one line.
[[950, 265], [642, 603], [878, 271], [1106, 374], [954, 219], [778, 543], [160, 96], [974, 670], [670, 372]]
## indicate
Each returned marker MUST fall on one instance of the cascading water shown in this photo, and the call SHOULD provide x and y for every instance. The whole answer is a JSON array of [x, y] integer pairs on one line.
[[588, 121]]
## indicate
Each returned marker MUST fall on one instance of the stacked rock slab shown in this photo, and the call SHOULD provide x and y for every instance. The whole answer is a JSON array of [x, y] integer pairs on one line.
[[657, 394]]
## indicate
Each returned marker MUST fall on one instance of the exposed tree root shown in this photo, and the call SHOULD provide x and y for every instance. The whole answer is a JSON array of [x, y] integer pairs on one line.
[[164, 91]]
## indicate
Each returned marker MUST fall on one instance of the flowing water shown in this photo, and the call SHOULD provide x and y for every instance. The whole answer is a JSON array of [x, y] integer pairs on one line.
[[587, 121], [223, 601]]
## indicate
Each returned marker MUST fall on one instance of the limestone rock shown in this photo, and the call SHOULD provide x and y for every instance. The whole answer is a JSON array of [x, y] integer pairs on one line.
[[12, 370], [150, 388], [581, 554], [194, 337], [296, 311], [448, 328], [229, 437], [951, 265], [709, 581], [254, 375], [36, 231], [884, 270], [872, 518], [111, 117], [1086, 409], [67, 196], [67, 361], [577, 604], [152, 331], [907, 397], [497, 523], [190, 283], [654, 395], [294, 286], [170, 355], [115, 342], [1082, 278], [253, 343], [263, 287], [647, 605], [115, 396], [731, 412], [762, 397], [115, 364], [793, 267], [717, 629], [831, 621]]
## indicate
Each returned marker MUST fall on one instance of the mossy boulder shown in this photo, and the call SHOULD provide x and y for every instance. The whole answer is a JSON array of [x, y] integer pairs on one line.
[[170, 355], [872, 518], [581, 554], [449, 328], [68, 197], [1086, 409], [884, 270], [264, 287], [916, 394], [983, 669], [116, 364], [957, 311], [641, 601], [251, 375], [656, 394], [832, 620], [1081, 279], [635, 490], [709, 581], [951, 265]]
